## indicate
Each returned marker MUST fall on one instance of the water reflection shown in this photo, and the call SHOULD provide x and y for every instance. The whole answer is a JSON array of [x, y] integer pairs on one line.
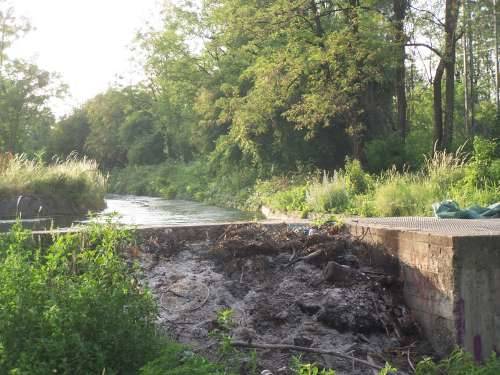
[[142, 210]]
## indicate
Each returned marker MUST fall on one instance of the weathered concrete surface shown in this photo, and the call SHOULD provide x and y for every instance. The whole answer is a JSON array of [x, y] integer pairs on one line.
[[451, 273]]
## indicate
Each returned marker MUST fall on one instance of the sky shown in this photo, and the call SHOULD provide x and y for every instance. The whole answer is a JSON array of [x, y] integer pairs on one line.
[[86, 41]]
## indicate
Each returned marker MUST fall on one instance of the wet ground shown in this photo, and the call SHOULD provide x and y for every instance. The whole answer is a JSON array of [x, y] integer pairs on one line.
[[313, 289]]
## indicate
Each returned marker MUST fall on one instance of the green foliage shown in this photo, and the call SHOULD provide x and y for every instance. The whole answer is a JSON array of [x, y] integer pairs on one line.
[[69, 135], [290, 200], [330, 194], [459, 363], [73, 310], [484, 168], [179, 360], [77, 183], [394, 199], [356, 180]]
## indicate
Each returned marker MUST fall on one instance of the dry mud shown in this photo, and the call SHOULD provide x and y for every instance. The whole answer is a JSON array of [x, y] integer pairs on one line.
[[316, 289]]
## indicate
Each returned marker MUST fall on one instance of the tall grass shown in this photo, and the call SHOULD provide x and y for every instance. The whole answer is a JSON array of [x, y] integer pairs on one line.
[[466, 179], [71, 181], [329, 194]]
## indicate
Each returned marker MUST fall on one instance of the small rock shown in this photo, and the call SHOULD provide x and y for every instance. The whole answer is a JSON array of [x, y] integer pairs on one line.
[[335, 272], [282, 315], [349, 260], [308, 303], [302, 341]]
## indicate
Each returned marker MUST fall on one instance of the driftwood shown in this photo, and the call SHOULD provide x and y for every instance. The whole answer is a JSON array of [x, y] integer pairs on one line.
[[307, 258], [305, 349]]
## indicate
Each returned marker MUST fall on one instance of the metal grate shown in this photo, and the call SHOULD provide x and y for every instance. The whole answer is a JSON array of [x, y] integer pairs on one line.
[[454, 227]]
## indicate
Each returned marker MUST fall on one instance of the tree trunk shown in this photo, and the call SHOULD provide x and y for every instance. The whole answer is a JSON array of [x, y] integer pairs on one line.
[[443, 130], [465, 47], [451, 18], [438, 106], [400, 7]]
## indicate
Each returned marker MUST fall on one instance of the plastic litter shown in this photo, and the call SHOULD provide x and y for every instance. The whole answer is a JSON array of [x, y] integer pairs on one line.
[[451, 210]]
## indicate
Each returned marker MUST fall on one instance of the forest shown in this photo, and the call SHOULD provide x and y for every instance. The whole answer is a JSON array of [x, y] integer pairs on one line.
[[239, 93]]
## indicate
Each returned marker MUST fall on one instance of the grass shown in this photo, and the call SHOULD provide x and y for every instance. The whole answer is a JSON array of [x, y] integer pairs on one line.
[[328, 195], [76, 184], [467, 179]]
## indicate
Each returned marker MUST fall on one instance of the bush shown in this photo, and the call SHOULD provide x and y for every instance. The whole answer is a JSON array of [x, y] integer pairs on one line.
[[328, 195], [357, 181], [459, 363], [400, 197], [69, 310], [484, 167], [291, 200], [176, 359]]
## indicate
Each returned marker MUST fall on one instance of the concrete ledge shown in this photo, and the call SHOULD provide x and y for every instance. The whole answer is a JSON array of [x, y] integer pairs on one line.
[[451, 274]]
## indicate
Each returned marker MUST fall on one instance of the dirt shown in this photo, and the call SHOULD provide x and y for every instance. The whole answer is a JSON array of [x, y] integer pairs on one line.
[[309, 288]]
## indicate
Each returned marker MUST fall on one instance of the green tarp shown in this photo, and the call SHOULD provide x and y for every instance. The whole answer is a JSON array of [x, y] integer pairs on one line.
[[451, 210]]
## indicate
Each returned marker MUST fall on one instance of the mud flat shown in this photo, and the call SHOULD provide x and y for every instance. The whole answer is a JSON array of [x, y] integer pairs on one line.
[[321, 290]]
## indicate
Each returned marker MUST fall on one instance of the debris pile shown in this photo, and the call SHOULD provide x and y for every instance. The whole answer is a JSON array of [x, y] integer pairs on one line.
[[315, 291]]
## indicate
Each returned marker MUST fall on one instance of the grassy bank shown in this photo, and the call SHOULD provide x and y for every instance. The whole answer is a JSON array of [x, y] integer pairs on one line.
[[467, 178], [72, 185]]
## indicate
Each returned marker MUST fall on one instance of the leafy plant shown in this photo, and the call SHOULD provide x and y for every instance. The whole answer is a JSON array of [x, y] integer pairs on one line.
[[328, 195], [70, 309]]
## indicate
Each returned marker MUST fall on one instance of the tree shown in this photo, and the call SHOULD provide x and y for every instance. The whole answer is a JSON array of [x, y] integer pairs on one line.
[[70, 134], [25, 89], [24, 94]]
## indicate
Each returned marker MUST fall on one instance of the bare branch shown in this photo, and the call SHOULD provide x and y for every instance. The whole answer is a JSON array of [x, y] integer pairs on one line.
[[437, 52]]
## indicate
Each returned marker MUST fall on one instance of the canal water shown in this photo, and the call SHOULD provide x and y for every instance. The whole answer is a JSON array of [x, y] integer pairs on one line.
[[143, 210]]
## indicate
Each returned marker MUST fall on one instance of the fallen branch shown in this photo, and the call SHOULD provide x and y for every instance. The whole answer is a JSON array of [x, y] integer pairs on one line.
[[304, 349], [309, 257]]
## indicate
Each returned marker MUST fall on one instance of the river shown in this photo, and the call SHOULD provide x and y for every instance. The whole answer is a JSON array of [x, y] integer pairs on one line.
[[146, 211]]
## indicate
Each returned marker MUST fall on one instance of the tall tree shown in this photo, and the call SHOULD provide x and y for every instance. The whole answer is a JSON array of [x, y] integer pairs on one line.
[[399, 9]]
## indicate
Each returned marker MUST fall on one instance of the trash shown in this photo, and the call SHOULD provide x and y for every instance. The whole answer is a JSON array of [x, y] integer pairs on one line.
[[451, 210]]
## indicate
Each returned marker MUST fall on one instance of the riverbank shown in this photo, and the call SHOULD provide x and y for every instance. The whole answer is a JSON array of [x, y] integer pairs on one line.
[[467, 179], [32, 188]]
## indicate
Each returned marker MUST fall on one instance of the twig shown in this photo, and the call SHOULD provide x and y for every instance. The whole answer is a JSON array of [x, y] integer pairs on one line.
[[409, 360], [304, 349], [203, 303], [313, 255], [175, 293]]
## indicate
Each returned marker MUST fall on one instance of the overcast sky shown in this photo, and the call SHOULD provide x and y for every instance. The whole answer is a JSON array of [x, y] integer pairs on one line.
[[86, 41]]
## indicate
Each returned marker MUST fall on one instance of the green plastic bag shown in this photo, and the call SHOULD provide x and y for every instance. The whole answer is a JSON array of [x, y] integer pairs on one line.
[[451, 210]]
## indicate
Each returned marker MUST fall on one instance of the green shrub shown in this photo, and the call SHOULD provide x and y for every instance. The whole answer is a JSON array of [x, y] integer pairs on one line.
[[459, 363], [384, 153], [328, 195], [400, 197], [176, 359], [291, 200], [484, 167], [73, 310], [356, 180]]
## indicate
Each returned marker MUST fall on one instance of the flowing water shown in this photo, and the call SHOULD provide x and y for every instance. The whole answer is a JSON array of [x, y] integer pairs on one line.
[[143, 210], [140, 210]]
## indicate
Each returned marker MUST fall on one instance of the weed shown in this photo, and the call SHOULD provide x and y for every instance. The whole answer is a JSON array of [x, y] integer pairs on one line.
[[328, 195], [77, 182]]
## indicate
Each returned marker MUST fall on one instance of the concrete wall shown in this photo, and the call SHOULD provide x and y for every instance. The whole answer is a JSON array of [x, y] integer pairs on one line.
[[451, 283], [477, 298]]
